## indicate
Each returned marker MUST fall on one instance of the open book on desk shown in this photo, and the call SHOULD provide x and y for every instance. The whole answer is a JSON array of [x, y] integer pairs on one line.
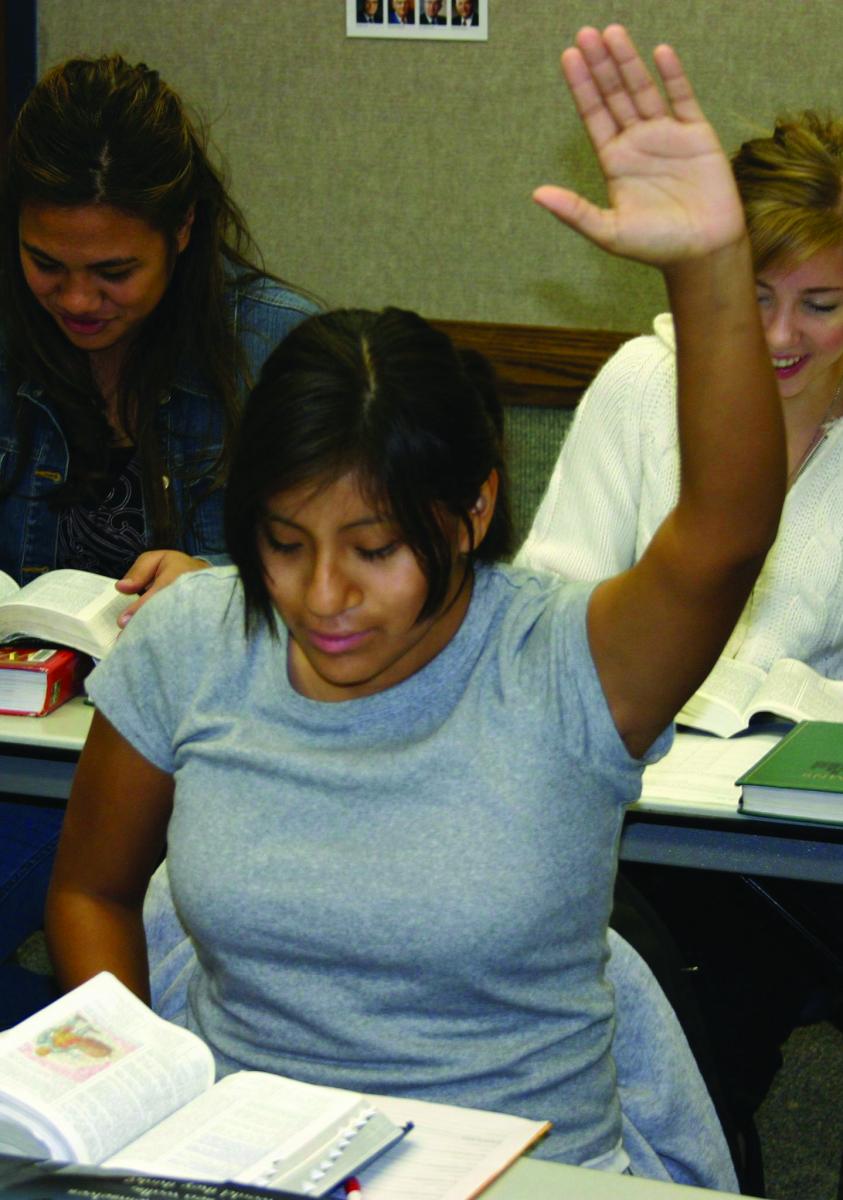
[[65, 608], [735, 692], [97, 1078]]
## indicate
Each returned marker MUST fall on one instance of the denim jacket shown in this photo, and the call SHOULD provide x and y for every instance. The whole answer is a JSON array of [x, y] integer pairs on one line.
[[189, 422]]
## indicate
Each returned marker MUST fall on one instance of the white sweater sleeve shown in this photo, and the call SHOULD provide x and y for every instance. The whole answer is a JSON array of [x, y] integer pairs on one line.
[[587, 525]]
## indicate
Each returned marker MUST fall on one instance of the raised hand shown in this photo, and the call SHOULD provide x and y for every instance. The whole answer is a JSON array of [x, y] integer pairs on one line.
[[671, 191]]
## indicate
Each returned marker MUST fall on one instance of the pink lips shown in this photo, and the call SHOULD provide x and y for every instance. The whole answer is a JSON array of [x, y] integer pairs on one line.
[[83, 326], [794, 369], [336, 643]]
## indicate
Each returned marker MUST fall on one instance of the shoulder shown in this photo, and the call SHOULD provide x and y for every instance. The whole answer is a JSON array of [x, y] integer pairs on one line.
[[197, 620], [186, 609], [268, 307], [639, 378], [263, 312], [644, 357], [261, 294], [528, 604]]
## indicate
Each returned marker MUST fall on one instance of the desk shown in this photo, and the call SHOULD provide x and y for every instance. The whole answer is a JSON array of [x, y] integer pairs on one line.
[[703, 829], [532, 1179], [38, 755]]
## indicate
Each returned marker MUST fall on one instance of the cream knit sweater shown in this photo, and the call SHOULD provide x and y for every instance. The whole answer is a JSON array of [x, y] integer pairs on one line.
[[617, 477]]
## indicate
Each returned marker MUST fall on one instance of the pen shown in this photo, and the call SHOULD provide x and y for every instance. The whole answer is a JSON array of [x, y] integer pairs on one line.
[[353, 1190]]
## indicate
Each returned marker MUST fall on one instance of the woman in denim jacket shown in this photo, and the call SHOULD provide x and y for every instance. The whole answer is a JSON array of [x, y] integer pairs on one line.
[[133, 318]]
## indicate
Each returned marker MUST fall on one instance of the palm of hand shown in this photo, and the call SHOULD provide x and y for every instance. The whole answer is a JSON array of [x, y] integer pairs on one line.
[[671, 191]]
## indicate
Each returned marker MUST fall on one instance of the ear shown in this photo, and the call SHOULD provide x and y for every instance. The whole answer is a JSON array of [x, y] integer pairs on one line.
[[481, 512], [183, 231]]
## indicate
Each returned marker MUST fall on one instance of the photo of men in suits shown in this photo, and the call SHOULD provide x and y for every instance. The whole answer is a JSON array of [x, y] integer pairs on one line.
[[465, 13], [432, 12], [402, 12], [369, 12]]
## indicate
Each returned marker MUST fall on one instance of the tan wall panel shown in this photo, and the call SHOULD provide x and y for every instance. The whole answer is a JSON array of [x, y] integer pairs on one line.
[[381, 172]]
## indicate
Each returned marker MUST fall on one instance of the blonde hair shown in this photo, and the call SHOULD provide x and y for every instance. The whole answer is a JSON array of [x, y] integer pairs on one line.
[[791, 185]]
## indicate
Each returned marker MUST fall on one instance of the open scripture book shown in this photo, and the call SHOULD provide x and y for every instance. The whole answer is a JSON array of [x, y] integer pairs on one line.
[[97, 1078], [66, 608], [735, 692]]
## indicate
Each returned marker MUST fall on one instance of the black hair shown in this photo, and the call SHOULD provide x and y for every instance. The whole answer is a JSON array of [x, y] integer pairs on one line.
[[388, 397], [103, 131]]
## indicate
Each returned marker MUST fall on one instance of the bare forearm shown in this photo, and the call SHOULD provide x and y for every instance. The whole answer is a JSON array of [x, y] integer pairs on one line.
[[86, 934], [730, 423]]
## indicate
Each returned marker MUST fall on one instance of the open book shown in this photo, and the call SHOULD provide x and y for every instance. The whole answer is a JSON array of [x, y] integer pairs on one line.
[[67, 608], [735, 692], [96, 1077]]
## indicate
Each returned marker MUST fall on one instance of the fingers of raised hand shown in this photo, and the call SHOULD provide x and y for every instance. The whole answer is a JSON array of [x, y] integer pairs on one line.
[[612, 88], [579, 213], [679, 92]]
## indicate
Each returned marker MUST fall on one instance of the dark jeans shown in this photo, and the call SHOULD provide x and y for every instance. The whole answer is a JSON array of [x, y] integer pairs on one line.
[[29, 834], [22, 993]]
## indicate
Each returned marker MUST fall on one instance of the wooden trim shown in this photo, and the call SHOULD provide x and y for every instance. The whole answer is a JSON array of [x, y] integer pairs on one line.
[[538, 364]]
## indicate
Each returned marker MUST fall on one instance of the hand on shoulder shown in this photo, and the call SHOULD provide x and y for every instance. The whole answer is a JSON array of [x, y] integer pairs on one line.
[[151, 572]]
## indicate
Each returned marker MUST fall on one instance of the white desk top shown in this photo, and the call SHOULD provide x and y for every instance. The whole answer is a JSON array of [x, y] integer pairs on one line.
[[64, 729], [531, 1179]]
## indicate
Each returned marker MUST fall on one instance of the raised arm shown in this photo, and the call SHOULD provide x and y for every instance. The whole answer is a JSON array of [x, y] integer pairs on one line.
[[657, 629]]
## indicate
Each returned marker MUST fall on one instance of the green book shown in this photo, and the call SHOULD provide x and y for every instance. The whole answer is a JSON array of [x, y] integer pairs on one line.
[[801, 778]]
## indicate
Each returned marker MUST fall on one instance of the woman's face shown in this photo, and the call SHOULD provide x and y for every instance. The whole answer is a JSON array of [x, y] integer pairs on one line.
[[802, 313], [350, 591], [98, 272]]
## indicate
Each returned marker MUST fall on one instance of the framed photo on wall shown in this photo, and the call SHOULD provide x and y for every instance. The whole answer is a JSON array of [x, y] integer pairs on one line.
[[439, 20]]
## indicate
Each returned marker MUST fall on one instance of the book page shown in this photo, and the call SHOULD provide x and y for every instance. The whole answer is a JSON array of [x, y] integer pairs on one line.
[[699, 771], [79, 594], [77, 607], [451, 1153], [239, 1128], [100, 1067], [722, 703], [794, 690], [8, 587]]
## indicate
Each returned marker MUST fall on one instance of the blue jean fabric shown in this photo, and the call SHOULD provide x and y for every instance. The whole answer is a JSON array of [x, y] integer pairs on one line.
[[190, 425], [190, 429], [29, 834], [23, 992]]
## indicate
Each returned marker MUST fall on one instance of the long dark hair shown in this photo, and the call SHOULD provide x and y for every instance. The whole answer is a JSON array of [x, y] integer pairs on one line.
[[387, 396], [101, 131]]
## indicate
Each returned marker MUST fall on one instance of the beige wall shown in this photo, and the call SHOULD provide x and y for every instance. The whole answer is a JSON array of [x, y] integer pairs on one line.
[[377, 172]]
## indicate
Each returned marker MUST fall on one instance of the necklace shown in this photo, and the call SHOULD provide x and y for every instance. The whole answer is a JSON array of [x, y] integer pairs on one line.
[[817, 437]]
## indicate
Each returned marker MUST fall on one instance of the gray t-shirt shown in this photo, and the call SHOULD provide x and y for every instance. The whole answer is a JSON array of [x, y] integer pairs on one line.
[[406, 893]]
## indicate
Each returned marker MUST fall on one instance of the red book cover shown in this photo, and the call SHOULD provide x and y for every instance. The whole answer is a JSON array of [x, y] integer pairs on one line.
[[36, 679]]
